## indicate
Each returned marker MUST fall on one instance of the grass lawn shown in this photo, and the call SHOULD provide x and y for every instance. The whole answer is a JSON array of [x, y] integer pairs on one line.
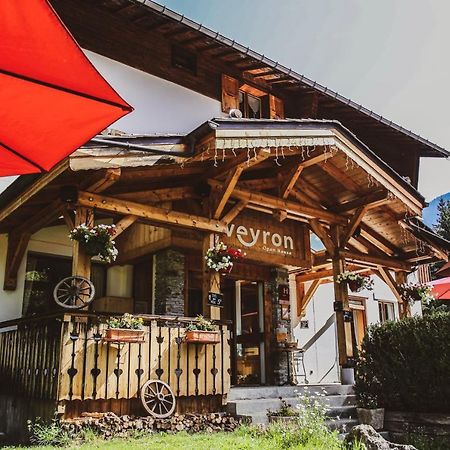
[[241, 439]]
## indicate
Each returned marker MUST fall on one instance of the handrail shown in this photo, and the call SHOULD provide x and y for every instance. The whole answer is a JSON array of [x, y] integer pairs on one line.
[[60, 315]]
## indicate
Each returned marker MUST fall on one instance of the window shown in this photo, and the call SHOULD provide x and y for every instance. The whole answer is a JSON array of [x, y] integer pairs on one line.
[[43, 272], [249, 105], [386, 311]]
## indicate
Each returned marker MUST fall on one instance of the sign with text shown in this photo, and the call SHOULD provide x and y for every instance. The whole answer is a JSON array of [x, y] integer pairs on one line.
[[215, 299], [265, 239]]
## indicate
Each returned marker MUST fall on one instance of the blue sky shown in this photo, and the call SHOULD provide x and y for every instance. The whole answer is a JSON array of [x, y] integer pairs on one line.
[[389, 55]]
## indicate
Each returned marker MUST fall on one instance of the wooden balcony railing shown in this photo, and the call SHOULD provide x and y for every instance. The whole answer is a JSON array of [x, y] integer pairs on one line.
[[65, 357]]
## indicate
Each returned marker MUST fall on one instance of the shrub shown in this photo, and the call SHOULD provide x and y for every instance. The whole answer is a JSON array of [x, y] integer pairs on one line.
[[405, 365]]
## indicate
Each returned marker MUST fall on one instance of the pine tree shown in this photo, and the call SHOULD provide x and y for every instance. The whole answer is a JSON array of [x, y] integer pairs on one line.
[[442, 226]]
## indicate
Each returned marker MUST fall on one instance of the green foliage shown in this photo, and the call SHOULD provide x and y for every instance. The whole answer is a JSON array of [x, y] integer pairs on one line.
[[127, 321], [405, 365], [442, 226], [201, 324], [42, 433]]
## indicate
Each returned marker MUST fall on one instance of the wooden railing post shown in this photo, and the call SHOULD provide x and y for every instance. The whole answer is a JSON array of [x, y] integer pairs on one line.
[[211, 281]]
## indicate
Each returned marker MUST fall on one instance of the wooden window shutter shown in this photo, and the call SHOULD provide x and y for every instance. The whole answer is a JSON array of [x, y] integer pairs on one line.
[[276, 107], [230, 93]]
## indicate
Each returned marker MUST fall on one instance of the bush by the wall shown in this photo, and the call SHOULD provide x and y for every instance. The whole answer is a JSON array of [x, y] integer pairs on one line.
[[405, 365]]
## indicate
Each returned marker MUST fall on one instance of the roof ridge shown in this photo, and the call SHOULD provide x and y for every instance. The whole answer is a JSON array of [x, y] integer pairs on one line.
[[215, 35]]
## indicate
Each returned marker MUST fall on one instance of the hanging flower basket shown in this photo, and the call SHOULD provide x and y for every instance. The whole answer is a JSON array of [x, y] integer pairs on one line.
[[96, 240], [355, 281], [221, 257], [415, 292]]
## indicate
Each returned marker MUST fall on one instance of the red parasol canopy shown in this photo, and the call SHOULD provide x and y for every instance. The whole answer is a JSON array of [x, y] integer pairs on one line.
[[441, 288], [52, 98]]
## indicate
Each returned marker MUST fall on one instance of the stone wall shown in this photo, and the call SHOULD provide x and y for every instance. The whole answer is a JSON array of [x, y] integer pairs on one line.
[[169, 282]]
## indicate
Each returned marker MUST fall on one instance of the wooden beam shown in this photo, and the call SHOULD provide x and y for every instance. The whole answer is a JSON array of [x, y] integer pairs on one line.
[[152, 213], [339, 175], [124, 223], [376, 260], [210, 281], [234, 212], [35, 187], [325, 273], [323, 235], [68, 219], [372, 200], [278, 203], [290, 180], [17, 246], [81, 261], [159, 195], [106, 179], [405, 308], [387, 277], [309, 294], [302, 197], [353, 224], [222, 195], [42, 218], [380, 241]]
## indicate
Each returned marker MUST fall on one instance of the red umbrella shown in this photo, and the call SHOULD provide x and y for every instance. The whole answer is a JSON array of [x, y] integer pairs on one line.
[[441, 288], [52, 98]]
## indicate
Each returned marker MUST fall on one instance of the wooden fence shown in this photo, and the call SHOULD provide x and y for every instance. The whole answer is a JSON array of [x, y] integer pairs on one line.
[[67, 358]]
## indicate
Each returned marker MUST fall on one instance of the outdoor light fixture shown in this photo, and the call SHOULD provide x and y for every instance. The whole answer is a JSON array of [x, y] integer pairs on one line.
[[68, 194]]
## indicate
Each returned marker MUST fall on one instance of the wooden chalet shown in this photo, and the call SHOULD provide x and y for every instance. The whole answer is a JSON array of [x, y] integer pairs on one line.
[[303, 162]]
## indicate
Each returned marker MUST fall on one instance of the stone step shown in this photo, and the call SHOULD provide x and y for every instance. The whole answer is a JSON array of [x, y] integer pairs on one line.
[[342, 412], [343, 426], [247, 393]]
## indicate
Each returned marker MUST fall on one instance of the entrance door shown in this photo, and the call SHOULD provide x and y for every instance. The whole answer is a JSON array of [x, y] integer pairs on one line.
[[249, 333]]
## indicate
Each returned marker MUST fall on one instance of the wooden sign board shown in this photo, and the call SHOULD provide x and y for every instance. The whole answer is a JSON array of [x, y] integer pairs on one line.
[[215, 299], [283, 293], [267, 240]]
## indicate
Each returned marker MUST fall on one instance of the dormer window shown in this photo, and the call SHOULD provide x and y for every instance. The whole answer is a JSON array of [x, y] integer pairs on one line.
[[249, 105]]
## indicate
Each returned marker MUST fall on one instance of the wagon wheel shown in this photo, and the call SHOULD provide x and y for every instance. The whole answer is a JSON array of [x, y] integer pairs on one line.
[[74, 292], [158, 399]]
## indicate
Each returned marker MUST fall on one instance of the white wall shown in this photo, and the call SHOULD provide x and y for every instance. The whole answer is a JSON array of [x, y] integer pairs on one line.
[[161, 107], [321, 358]]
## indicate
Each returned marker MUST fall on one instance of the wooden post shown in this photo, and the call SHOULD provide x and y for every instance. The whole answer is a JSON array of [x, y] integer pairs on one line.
[[405, 309], [81, 262], [344, 328], [211, 281]]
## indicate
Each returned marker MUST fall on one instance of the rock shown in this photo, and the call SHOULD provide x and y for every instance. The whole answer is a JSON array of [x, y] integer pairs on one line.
[[371, 440]]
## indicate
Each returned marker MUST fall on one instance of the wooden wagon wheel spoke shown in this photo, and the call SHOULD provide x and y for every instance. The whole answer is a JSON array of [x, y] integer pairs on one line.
[[74, 292], [158, 399]]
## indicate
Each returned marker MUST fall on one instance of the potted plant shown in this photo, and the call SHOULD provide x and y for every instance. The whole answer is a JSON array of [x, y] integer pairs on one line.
[[221, 257], [201, 331], [96, 240], [355, 281], [126, 328], [415, 292]]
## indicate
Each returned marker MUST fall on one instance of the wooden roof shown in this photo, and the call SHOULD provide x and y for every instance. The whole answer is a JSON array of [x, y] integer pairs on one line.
[[140, 33], [322, 178]]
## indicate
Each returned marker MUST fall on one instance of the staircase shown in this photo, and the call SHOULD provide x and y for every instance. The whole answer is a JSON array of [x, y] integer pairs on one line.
[[253, 402]]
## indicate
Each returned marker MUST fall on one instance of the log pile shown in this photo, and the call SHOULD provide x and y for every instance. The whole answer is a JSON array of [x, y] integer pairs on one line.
[[109, 425]]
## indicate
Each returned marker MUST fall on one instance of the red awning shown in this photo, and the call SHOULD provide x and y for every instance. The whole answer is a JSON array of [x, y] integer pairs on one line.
[[441, 288], [52, 99]]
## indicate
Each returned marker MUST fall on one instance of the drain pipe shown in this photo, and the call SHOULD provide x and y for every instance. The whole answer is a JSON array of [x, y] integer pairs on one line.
[[145, 148]]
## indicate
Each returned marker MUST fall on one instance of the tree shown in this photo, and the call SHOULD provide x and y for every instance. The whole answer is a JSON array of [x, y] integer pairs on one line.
[[442, 226]]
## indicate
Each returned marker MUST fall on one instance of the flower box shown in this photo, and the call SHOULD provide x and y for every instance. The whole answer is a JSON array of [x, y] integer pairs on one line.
[[202, 337], [124, 335], [372, 417]]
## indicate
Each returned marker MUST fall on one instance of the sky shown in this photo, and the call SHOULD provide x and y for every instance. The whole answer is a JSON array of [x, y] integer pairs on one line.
[[389, 55]]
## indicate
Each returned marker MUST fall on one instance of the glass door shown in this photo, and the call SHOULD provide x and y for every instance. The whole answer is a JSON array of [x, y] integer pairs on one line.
[[249, 333]]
